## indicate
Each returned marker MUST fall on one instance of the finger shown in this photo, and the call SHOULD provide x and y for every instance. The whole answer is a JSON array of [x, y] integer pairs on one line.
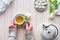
[[15, 27], [12, 24], [30, 25], [26, 25], [28, 22]]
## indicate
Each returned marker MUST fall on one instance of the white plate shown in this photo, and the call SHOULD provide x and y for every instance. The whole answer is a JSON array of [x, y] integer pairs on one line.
[[40, 5]]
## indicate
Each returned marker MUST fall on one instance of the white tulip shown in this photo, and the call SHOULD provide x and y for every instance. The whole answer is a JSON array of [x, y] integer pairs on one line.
[[51, 16], [55, 12]]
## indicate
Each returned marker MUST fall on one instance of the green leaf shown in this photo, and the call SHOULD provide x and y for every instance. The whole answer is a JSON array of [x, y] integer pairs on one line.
[[25, 17], [53, 5]]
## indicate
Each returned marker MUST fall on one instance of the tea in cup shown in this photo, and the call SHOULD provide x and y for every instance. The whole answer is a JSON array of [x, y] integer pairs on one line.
[[19, 19]]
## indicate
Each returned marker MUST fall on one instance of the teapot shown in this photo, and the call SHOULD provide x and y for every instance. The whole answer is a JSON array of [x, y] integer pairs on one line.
[[49, 32]]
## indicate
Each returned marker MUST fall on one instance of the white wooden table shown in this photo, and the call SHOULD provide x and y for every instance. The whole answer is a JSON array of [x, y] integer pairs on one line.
[[25, 6]]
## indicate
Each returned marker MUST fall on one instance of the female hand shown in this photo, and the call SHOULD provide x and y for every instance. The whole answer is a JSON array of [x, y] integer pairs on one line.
[[13, 25], [28, 27]]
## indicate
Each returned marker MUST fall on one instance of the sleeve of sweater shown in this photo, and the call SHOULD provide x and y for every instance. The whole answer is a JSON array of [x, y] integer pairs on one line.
[[29, 36], [12, 34]]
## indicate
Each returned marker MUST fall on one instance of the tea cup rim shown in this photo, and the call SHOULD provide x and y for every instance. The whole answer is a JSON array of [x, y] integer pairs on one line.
[[22, 15]]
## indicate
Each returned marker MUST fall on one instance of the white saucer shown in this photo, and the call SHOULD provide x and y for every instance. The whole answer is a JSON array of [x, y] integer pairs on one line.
[[40, 5]]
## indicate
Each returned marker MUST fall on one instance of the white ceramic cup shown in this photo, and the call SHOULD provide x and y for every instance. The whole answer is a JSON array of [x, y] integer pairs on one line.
[[16, 18]]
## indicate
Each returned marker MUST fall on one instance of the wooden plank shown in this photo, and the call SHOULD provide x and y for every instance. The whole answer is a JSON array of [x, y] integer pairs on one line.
[[7, 20], [57, 22], [2, 27]]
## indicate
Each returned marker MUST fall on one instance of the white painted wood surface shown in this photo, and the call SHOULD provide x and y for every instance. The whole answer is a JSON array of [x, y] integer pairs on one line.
[[25, 6]]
